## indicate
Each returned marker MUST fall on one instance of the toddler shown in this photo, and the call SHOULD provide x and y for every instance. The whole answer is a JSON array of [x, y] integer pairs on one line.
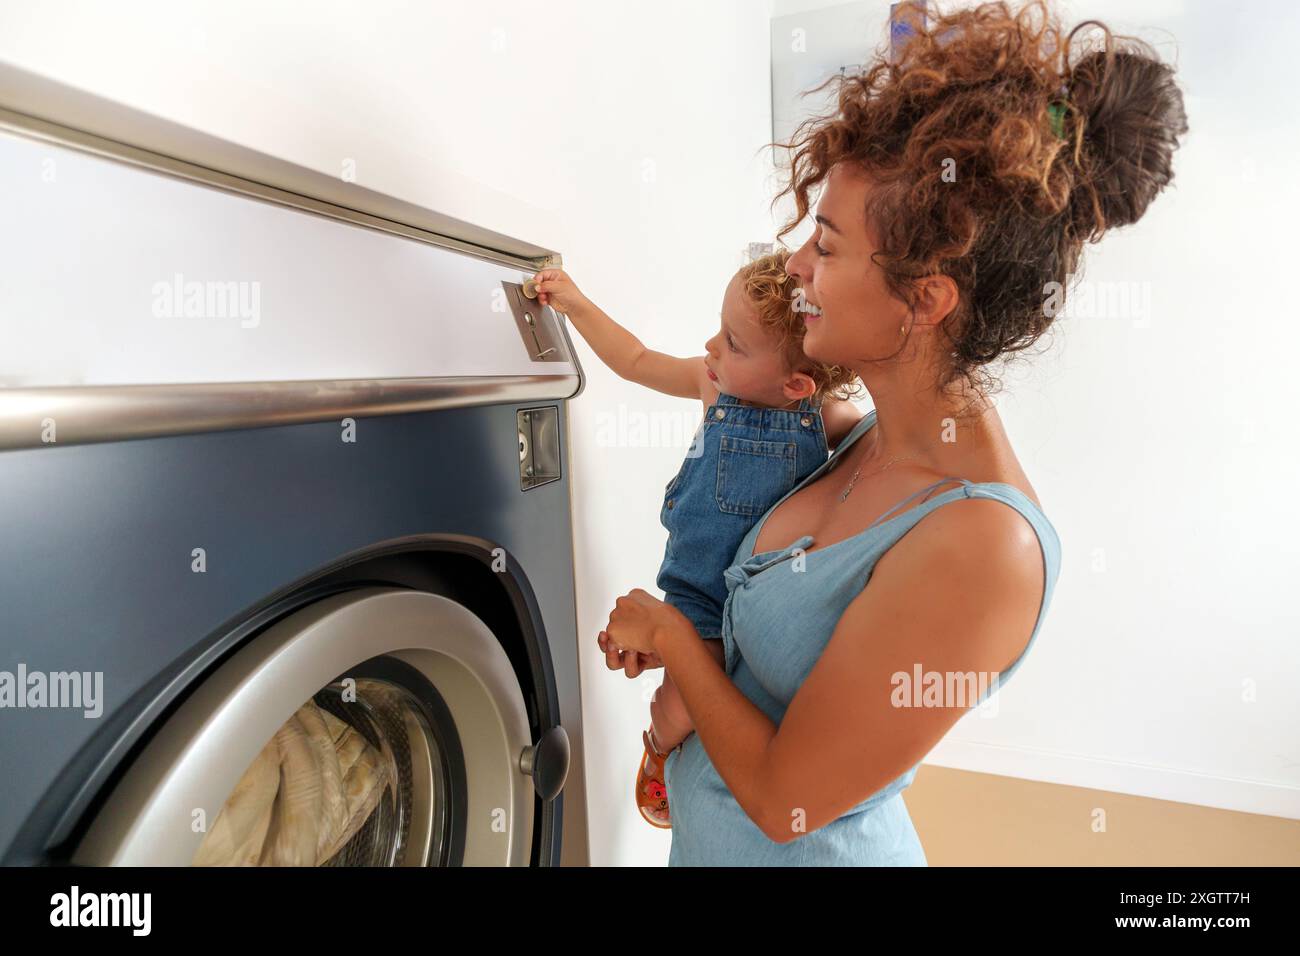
[[768, 423]]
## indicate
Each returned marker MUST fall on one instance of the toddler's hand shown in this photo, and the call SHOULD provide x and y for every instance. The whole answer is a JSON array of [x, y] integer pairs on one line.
[[556, 289]]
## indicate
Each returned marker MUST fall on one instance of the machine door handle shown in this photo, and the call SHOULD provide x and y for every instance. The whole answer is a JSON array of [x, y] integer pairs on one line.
[[547, 762]]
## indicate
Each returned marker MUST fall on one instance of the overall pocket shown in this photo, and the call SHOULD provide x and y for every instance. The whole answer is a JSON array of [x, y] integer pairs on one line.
[[753, 475]]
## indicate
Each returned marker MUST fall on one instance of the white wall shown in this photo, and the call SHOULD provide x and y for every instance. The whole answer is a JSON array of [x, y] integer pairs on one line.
[[623, 135], [1160, 439]]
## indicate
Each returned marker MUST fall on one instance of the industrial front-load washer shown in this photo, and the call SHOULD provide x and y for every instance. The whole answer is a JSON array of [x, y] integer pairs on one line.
[[286, 556]]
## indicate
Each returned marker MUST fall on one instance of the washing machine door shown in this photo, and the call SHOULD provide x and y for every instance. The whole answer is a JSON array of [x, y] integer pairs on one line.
[[380, 726]]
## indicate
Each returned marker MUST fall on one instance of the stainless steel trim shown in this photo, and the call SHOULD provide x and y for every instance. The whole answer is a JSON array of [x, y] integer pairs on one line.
[[200, 753], [38, 129], [44, 109], [112, 413], [119, 412]]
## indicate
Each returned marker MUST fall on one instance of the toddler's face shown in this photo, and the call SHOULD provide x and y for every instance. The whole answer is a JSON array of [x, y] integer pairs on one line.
[[745, 358]]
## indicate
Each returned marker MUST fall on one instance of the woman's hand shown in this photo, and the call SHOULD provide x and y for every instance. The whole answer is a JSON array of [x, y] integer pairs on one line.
[[632, 663], [637, 620]]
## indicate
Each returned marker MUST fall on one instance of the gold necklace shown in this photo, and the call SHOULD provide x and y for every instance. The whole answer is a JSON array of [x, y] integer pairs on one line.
[[854, 480]]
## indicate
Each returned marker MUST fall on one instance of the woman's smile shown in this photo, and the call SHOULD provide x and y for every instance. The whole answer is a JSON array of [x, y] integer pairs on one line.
[[810, 311]]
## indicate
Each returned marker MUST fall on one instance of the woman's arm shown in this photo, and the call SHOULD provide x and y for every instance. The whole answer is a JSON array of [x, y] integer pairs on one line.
[[670, 721], [960, 593], [959, 596]]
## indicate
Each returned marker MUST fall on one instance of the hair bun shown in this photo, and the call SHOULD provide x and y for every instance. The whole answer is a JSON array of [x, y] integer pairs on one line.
[[1129, 114]]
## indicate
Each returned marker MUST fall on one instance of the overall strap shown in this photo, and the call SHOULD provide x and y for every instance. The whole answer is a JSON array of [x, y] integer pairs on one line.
[[884, 516]]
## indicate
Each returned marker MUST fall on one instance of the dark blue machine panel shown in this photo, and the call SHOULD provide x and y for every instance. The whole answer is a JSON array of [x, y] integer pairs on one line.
[[96, 560]]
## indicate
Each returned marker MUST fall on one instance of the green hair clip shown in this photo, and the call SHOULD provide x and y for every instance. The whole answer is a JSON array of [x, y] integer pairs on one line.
[[1057, 112]]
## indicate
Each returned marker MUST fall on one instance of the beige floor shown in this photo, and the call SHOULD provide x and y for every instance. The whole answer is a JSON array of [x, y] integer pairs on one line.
[[977, 819]]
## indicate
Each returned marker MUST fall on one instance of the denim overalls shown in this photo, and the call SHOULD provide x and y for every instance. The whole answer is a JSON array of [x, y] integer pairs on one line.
[[742, 460]]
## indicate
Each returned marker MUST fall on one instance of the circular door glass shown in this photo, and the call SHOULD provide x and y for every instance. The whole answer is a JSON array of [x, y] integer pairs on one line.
[[354, 778]]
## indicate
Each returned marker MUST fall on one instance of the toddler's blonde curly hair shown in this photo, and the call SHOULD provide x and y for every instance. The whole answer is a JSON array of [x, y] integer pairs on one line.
[[772, 292]]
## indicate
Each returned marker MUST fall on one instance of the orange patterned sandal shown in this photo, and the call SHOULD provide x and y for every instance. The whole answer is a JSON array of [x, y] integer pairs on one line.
[[651, 792]]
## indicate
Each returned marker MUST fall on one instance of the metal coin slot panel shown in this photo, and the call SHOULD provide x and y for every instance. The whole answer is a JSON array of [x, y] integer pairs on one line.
[[538, 325]]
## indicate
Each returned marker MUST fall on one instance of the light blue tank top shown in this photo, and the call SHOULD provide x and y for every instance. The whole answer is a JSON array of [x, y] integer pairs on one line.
[[774, 628]]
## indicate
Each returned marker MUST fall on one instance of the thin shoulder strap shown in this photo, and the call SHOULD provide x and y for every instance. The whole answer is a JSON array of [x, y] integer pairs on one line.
[[865, 424], [885, 516]]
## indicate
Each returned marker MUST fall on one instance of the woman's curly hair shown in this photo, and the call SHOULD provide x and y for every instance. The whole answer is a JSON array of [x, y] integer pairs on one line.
[[969, 92], [772, 293]]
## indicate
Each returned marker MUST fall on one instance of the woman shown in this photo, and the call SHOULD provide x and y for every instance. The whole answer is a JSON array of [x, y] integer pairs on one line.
[[958, 184]]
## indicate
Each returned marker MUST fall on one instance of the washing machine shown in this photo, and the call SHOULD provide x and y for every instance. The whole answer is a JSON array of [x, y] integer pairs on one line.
[[286, 551]]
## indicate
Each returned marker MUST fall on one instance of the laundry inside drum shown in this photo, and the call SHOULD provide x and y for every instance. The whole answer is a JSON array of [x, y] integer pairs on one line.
[[353, 778]]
